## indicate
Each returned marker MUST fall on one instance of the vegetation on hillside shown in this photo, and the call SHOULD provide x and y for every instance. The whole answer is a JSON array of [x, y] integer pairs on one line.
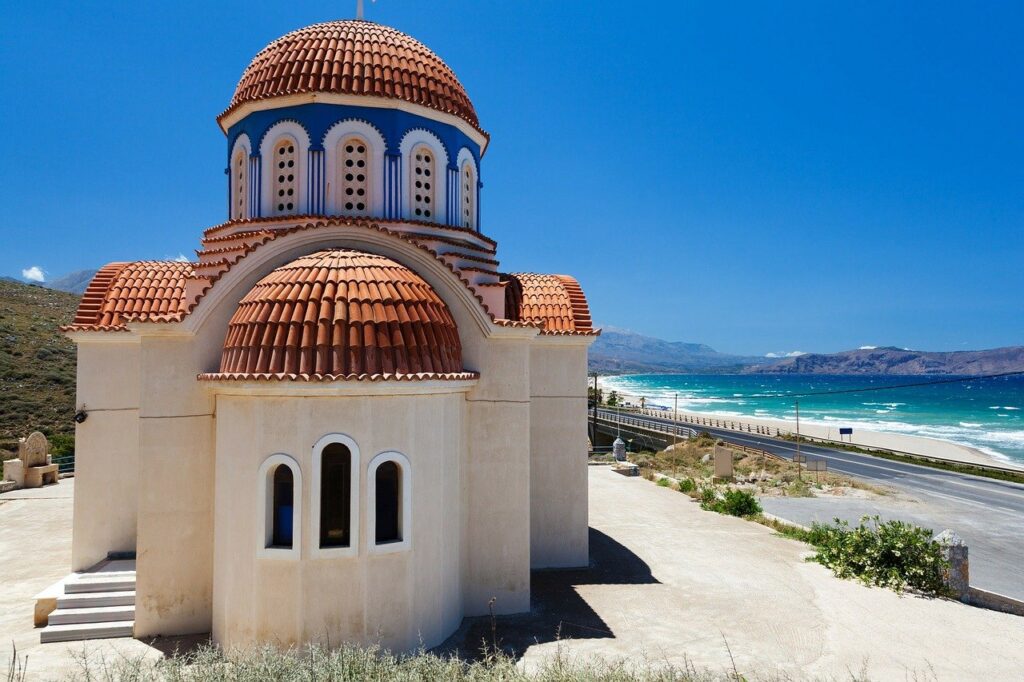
[[37, 363]]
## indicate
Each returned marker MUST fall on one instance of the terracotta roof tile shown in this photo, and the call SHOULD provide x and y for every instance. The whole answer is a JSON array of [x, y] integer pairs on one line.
[[554, 302], [122, 292], [341, 314], [354, 57]]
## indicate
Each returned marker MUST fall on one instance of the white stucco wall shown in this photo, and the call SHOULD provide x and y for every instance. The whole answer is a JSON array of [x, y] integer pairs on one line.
[[106, 449], [399, 599], [558, 452]]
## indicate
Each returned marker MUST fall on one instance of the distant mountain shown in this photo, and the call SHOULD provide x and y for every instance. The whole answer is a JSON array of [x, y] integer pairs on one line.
[[899, 361], [73, 282], [620, 351]]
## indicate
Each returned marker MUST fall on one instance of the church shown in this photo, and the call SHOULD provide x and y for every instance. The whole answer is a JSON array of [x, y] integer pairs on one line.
[[342, 422]]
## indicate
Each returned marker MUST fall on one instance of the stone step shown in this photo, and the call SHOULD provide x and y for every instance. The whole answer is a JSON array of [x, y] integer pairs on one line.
[[92, 600], [74, 633], [114, 584], [99, 614]]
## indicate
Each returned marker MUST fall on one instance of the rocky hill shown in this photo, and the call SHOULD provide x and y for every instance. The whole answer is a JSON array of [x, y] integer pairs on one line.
[[620, 351], [900, 361], [73, 282], [37, 363]]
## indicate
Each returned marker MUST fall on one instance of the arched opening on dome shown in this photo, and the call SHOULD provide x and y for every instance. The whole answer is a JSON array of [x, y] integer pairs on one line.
[[422, 183], [353, 162], [469, 187], [240, 185], [284, 169]]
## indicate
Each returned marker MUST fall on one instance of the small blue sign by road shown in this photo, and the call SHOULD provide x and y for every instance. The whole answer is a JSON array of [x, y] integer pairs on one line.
[[845, 431]]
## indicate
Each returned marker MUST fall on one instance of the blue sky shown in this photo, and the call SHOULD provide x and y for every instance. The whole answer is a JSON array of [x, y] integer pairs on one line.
[[761, 177]]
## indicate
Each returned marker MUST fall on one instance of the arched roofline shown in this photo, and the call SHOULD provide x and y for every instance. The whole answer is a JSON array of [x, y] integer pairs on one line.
[[221, 299]]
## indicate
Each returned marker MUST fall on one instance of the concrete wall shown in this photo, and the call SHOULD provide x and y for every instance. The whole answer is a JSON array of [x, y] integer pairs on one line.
[[497, 481], [106, 450], [558, 453], [174, 583], [400, 599]]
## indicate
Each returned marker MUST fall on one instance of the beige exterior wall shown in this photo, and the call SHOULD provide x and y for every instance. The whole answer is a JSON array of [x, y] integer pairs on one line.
[[174, 582], [398, 600], [106, 450], [558, 453]]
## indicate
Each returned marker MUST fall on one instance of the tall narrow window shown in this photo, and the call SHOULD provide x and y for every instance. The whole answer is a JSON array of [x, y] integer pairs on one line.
[[354, 165], [240, 176], [285, 170], [423, 181], [388, 512], [336, 496], [284, 508], [468, 196]]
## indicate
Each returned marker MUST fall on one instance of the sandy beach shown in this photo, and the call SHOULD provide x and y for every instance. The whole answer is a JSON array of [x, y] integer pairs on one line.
[[918, 445]]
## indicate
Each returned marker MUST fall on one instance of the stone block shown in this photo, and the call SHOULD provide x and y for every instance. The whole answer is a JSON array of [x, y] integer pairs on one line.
[[14, 470]]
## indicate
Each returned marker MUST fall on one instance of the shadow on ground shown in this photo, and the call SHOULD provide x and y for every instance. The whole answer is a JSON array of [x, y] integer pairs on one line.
[[556, 609]]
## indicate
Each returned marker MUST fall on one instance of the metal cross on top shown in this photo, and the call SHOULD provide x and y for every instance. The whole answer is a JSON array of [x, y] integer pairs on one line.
[[359, 8]]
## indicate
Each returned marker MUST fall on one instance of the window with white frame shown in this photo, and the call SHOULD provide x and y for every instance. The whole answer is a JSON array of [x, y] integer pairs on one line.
[[468, 195], [422, 182], [281, 485], [240, 191], [389, 484], [335, 492], [354, 172], [285, 188]]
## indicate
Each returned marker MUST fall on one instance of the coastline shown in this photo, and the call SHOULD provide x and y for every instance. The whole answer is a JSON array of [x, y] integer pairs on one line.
[[918, 445]]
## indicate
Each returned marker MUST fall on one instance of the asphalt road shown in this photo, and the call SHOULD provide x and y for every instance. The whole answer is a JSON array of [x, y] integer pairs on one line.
[[987, 513]]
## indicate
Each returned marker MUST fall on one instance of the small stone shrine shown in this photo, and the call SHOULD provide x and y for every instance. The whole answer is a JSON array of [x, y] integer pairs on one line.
[[33, 467]]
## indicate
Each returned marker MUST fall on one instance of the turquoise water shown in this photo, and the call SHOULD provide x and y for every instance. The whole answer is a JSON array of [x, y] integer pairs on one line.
[[984, 414]]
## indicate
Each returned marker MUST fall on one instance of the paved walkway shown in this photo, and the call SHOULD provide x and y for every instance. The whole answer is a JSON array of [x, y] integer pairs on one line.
[[696, 580], [35, 552]]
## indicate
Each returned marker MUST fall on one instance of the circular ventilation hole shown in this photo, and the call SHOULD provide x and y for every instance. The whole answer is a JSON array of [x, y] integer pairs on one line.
[[349, 149], [427, 213], [348, 206], [360, 177], [360, 206], [419, 212], [348, 191], [290, 206]]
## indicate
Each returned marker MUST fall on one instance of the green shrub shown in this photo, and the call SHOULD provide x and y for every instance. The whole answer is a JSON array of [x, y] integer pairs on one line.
[[687, 485], [892, 554], [708, 497], [664, 482], [734, 502], [62, 444]]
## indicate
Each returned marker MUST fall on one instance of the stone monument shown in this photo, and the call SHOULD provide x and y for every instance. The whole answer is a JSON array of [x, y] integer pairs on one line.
[[33, 467], [723, 464]]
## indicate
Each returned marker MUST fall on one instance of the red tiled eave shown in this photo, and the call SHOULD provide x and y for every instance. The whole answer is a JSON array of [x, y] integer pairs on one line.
[[555, 303], [142, 291]]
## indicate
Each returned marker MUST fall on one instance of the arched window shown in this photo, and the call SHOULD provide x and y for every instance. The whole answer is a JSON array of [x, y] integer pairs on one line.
[[389, 479], [335, 492], [388, 503], [468, 177], [284, 168], [281, 492], [336, 496], [422, 182], [353, 176], [240, 185], [284, 508]]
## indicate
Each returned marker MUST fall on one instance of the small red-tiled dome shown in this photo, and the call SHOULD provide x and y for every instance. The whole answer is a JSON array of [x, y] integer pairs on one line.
[[555, 303], [354, 57], [342, 314]]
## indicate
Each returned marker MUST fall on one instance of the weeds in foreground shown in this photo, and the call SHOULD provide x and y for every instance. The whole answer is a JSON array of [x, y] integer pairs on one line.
[[733, 501], [210, 664]]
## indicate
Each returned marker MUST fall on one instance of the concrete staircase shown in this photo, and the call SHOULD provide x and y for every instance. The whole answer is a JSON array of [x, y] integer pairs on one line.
[[97, 604]]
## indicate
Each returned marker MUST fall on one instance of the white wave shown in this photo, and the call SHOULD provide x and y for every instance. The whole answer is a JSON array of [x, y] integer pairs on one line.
[[970, 425], [1005, 407]]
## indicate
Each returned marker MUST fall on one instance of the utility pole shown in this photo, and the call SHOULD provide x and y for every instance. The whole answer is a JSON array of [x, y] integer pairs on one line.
[[675, 422], [799, 474], [597, 404]]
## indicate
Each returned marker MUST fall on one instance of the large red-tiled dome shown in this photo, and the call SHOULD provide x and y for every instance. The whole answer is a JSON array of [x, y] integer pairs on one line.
[[354, 57], [342, 314]]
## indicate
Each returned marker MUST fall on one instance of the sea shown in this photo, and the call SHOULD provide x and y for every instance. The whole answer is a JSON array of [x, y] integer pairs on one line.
[[986, 414]]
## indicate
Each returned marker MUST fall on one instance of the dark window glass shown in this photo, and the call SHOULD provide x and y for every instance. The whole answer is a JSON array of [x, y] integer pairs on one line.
[[388, 493], [283, 506], [335, 496]]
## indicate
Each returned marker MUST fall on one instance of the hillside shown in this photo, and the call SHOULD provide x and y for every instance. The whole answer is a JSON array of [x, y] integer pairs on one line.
[[899, 361], [620, 351], [37, 363]]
